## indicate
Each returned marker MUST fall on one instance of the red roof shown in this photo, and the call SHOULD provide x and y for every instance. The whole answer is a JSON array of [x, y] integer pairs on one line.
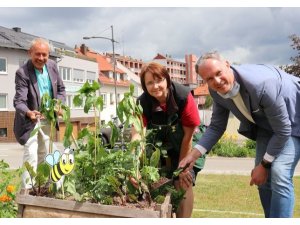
[[110, 81], [103, 63], [159, 56], [201, 90]]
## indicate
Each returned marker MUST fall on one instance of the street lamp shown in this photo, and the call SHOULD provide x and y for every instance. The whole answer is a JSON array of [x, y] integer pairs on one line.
[[113, 41]]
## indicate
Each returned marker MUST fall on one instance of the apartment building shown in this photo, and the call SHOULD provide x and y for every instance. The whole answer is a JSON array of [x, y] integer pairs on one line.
[[176, 69], [14, 45], [112, 87], [134, 65]]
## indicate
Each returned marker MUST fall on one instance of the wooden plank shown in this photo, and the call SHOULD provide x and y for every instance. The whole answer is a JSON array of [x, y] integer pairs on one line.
[[41, 212], [108, 210], [165, 206]]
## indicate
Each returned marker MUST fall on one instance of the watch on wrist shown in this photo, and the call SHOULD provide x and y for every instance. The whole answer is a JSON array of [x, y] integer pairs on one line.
[[265, 164]]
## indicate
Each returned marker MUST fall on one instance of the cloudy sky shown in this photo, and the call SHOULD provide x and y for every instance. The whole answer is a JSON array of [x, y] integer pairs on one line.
[[242, 34]]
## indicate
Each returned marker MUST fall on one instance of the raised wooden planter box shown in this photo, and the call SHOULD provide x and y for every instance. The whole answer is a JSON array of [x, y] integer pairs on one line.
[[43, 207]]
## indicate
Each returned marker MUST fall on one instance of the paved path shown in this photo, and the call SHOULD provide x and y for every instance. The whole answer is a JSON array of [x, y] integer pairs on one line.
[[12, 153], [240, 166]]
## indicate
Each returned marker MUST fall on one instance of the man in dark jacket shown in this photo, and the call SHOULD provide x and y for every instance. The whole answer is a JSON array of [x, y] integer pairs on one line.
[[266, 101], [38, 76]]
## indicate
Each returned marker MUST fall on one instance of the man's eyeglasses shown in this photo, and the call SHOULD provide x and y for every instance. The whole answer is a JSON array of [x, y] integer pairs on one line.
[[157, 81]]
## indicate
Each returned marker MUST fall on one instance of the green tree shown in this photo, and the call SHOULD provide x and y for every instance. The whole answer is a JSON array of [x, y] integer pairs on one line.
[[294, 68]]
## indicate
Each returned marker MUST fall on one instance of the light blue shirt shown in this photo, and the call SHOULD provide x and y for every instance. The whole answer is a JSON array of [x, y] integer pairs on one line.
[[44, 82]]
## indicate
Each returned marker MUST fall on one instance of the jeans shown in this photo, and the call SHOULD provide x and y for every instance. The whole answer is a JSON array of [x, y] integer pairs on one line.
[[277, 195], [35, 150]]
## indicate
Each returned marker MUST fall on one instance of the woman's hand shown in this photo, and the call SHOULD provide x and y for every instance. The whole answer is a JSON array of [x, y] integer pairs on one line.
[[185, 179]]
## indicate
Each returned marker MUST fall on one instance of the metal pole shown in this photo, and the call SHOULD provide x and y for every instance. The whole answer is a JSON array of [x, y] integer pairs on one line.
[[114, 68]]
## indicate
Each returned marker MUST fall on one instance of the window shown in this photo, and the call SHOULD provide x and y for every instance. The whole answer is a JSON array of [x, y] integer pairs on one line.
[[118, 97], [3, 66], [104, 100], [65, 73], [3, 132], [110, 74], [90, 77], [3, 101], [111, 98], [69, 101], [78, 76]]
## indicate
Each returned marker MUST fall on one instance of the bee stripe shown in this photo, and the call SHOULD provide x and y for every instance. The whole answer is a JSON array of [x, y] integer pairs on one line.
[[56, 173]]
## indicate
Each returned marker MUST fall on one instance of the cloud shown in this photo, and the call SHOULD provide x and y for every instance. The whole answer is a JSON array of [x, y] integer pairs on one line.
[[245, 35]]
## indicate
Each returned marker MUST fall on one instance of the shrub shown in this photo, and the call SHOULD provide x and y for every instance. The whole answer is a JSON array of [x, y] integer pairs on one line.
[[8, 206], [229, 146]]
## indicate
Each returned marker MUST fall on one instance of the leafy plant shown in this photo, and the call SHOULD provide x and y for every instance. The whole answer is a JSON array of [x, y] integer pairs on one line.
[[228, 146], [8, 206], [105, 175], [50, 108]]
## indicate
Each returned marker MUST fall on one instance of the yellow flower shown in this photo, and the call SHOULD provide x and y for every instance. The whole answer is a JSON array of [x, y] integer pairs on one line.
[[10, 188]]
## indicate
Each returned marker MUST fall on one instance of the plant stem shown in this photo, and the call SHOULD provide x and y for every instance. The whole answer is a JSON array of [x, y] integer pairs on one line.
[[51, 137], [96, 125]]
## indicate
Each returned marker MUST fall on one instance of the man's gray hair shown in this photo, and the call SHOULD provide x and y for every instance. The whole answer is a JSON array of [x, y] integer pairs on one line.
[[205, 56], [42, 41]]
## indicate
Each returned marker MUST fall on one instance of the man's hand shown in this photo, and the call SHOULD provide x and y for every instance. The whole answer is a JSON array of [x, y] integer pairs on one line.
[[34, 115], [259, 175], [58, 110], [190, 159]]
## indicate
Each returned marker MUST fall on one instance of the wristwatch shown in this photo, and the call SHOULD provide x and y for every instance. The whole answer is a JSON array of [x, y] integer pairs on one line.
[[266, 164]]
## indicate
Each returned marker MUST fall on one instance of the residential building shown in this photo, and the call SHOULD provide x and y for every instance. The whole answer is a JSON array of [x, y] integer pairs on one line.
[[134, 65], [112, 88], [176, 68], [14, 45]]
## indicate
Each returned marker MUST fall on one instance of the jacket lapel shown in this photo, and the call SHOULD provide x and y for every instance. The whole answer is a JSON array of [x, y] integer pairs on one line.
[[32, 77], [244, 93]]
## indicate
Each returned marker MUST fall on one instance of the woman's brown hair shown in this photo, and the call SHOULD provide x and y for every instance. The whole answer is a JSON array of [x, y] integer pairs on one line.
[[157, 70]]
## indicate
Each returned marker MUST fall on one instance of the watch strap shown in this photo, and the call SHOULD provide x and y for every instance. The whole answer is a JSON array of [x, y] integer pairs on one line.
[[266, 165]]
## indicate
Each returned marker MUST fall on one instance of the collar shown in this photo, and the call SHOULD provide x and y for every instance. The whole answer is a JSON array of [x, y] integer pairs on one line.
[[233, 92]]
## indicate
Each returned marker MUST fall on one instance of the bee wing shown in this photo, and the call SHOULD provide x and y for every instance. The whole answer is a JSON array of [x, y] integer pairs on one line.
[[56, 156], [49, 159]]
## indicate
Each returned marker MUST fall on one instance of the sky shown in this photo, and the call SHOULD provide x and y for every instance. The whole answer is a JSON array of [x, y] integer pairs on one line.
[[240, 34]]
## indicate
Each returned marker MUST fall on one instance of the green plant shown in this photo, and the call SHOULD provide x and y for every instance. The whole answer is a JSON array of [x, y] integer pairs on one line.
[[100, 174], [8, 206], [50, 108], [228, 146], [208, 102], [103, 175]]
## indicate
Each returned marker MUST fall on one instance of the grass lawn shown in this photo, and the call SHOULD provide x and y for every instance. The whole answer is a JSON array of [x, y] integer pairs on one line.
[[231, 196]]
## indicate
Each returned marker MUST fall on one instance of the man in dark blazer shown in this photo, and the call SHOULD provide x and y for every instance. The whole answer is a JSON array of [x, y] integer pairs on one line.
[[39, 75], [266, 100]]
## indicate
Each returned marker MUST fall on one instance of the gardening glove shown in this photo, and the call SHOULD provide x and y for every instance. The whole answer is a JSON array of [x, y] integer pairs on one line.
[[259, 175]]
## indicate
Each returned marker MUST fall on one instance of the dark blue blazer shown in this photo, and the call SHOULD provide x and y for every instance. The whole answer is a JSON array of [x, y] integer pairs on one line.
[[273, 99]]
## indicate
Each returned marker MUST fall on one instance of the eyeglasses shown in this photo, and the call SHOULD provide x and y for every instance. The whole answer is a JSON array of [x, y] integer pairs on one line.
[[157, 81]]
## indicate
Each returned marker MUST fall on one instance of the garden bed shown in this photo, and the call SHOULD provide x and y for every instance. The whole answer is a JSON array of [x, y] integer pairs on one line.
[[44, 207]]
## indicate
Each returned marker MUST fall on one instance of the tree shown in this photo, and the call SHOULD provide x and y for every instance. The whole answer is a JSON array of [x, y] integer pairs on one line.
[[295, 67]]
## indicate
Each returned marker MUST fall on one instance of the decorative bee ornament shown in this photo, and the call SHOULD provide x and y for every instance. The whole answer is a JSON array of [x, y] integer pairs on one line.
[[61, 164]]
